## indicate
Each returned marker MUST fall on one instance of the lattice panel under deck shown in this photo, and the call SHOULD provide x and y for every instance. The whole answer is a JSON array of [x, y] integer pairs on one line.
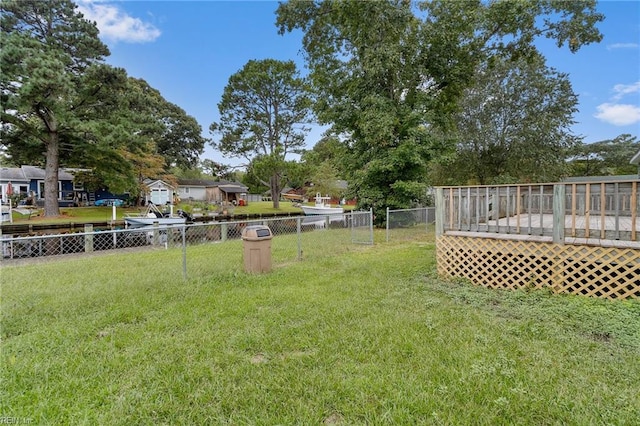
[[592, 271]]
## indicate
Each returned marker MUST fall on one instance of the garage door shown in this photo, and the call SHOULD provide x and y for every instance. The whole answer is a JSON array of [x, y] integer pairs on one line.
[[159, 196]]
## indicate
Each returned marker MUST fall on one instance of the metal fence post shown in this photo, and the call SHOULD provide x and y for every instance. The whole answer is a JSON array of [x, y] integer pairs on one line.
[[299, 231], [387, 222], [371, 225], [6, 247], [184, 251], [223, 231], [426, 219], [88, 238], [156, 233]]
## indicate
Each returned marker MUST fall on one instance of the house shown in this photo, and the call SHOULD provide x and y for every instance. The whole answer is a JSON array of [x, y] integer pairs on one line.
[[211, 191], [28, 182], [636, 160]]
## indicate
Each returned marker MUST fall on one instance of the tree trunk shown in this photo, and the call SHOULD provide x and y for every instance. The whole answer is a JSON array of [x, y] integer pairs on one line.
[[275, 190], [51, 207]]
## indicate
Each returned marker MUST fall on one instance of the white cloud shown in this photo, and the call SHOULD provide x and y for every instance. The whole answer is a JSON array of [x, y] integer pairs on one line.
[[618, 114], [622, 46], [621, 90], [116, 25]]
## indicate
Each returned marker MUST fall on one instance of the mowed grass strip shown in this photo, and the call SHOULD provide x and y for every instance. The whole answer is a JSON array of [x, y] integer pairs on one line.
[[371, 336]]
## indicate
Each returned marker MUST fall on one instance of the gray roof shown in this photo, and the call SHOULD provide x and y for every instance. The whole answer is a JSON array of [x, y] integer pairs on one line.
[[13, 174], [585, 179], [28, 173], [635, 159], [233, 188], [197, 182], [208, 183]]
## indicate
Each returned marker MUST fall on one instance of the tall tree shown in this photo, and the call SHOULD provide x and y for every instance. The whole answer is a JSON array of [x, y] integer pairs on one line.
[[324, 178], [607, 157], [297, 174], [217, 170], [390, 88], [328, 149], [60, 99], [51, 67], [178, 136], [514, 124], [118, 141], [263, 112]]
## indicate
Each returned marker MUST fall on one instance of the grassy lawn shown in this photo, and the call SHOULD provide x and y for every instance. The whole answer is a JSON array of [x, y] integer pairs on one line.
[[261, 207], [76, 215], [368, 337]]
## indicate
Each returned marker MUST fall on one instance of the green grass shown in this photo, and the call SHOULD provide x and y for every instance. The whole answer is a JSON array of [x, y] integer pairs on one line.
[[262, 207], [99, 214], [369, 337], [77, 215]]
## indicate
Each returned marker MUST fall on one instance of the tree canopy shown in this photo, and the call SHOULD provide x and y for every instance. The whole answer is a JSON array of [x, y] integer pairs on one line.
[[263, 115], [178, 138], [63, 106], [388, 75], [603, 158], [51, 74], [513, 125], [328, 149]]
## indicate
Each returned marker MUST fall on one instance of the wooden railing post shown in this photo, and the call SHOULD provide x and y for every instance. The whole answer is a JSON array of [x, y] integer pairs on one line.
[[440, 214], [558, 213]]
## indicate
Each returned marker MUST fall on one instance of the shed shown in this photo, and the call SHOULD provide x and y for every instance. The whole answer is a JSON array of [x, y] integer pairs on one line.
[[158, 192], [232, 192]]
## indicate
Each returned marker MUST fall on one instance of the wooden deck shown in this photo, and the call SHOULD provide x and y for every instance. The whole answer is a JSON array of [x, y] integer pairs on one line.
[[578, 238]]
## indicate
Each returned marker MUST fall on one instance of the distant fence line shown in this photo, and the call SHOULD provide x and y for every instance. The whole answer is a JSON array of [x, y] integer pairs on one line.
[[406, 223], [293, 237]]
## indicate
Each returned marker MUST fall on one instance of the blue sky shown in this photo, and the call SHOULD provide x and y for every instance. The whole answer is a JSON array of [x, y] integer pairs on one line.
[[189, 49]]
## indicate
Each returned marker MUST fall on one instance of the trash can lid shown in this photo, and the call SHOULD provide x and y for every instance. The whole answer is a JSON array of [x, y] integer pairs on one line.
[[256, 232]]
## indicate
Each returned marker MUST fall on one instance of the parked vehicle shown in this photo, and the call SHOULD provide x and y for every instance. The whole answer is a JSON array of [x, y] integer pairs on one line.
[[109, 202], [154, 215], [322, 206]]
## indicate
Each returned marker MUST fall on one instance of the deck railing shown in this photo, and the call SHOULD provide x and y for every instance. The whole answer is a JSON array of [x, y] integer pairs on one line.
[[605, 210]]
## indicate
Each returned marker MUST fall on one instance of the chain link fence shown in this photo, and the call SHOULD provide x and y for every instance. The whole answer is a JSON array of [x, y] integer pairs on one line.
[[406, 224], [202, 247]]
